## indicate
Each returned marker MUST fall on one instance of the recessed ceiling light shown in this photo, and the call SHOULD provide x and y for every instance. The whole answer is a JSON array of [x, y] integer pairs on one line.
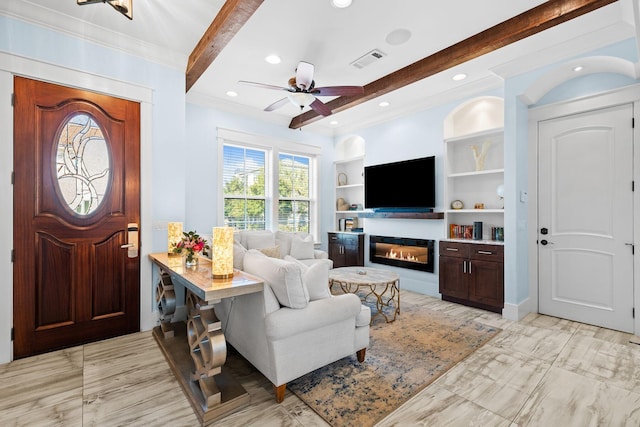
[[384, 104], [459, 77], [333, 122], [578, 68], [397, 37], [232, 93], [273, 59], [341, 3]]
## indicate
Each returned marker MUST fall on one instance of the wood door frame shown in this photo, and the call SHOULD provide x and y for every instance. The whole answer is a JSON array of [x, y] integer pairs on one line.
[[11, 65], [624, 95]]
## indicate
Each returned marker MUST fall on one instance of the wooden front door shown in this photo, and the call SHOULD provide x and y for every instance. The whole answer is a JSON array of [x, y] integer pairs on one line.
[[76, 208]]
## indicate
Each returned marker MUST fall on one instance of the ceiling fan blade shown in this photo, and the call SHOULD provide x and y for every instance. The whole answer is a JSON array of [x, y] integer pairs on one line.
[[279, 103], [338, 91], [304, 75], [263, 85], [320, 107]]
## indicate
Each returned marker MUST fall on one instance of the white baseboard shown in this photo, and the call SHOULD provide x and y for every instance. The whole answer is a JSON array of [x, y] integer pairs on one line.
[[516, 311]]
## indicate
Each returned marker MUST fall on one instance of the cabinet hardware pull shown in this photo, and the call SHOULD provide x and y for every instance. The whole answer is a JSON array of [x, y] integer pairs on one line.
[[464, 267], [485, 252], [469, 267], [452, 249]]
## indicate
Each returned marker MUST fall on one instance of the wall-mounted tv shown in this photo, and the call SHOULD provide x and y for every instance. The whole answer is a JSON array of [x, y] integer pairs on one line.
[[408, 185]]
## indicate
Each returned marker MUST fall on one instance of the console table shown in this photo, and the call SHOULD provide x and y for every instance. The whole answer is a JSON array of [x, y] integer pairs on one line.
[[196, 351]]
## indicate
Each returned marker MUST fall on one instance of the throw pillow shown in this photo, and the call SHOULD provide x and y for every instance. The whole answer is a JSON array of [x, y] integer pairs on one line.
[[315, 277], [273, 252], [260, 240], [302, 248], [238, 255], [284, 278]]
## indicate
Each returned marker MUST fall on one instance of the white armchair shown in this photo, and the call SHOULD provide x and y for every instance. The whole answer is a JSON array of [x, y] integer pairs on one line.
[[295, 325]]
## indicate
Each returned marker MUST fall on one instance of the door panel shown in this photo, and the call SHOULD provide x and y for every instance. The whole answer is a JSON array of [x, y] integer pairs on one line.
[[77, 174], [586, 203]]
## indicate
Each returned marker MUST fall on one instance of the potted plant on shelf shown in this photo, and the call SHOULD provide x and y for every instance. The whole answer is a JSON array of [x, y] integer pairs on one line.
[[190, 245]]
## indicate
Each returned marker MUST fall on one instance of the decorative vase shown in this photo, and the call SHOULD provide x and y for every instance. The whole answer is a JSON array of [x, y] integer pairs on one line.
[[191, 259]]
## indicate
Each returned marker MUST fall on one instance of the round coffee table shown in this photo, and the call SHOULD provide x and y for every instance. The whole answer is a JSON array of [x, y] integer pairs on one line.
[[383, 285]]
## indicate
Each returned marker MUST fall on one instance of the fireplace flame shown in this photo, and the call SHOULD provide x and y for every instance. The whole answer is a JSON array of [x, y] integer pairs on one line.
[[392, 254]]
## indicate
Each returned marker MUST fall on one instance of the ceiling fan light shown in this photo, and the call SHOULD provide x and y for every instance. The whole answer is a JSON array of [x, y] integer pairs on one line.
[[341, 4], [125, 7], [301, 99]]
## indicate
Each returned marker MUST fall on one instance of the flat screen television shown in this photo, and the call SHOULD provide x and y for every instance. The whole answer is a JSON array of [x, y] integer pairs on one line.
[[408, 185]]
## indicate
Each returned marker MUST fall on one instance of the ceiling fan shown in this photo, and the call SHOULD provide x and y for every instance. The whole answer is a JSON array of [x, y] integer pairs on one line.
[[302, 91]]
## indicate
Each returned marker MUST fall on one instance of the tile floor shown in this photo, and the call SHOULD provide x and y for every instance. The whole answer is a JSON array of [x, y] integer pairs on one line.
[[541, 371]]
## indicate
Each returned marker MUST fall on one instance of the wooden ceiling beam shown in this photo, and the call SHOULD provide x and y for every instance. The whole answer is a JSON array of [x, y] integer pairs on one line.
[[533, 21], [231, 17]]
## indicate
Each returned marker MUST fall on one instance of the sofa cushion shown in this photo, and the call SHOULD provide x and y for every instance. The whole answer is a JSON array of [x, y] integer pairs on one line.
[[284, 238], [302, 248], [260, 240], [273, 252], [284, 278], [315, 277], [238, 256]]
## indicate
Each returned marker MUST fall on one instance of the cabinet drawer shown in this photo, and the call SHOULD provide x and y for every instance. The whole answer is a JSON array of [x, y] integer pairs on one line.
[[487, 252], [334, 238], [454, 249]]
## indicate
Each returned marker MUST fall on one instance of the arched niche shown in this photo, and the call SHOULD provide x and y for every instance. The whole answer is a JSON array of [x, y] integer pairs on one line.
[[475, 115], [349, 147], [569, 71]]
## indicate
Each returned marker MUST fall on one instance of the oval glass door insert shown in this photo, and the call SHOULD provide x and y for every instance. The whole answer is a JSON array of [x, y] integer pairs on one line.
[[82, 164]]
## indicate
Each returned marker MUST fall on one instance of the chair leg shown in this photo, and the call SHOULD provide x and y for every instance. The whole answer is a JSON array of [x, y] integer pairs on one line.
[[279, 391], [361, 354]]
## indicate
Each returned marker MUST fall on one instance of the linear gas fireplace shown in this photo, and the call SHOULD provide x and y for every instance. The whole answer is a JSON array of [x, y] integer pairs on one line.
[[416, 254]]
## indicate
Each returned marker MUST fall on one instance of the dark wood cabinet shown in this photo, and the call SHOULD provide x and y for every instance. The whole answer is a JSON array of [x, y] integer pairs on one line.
[[346, 249], [472, 274]]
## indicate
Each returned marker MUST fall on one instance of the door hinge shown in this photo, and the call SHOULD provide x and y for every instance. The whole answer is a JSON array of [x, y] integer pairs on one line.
[[13, 255], [633, 312], [633, 122], [13, 177], [13, 334], [13, 99]]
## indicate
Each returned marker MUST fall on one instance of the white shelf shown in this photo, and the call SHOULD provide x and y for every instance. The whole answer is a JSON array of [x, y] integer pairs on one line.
[[475, 211], [340, 187], [475, 135], [350, 212], [349, 160], [476, 173]]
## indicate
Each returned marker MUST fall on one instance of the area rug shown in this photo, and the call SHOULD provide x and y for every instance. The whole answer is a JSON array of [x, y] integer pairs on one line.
[[403, 357]]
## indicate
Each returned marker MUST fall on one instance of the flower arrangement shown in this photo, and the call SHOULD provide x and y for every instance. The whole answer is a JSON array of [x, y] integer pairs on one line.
[[190, 244]]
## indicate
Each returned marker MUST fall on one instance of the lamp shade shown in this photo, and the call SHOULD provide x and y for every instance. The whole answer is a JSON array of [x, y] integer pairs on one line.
[[174, 234], [222, 252]]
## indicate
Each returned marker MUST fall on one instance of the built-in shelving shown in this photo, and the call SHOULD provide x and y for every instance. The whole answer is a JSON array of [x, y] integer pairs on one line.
[[472, 182], [349, 186]]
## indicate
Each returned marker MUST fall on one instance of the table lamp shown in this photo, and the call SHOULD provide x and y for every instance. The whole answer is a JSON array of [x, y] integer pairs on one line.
[[174, 234], [222, 252]]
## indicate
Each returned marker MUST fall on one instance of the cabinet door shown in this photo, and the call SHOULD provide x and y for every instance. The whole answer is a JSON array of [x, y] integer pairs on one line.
[[353, 249], [453, 278], [486, 283], [336, 254]]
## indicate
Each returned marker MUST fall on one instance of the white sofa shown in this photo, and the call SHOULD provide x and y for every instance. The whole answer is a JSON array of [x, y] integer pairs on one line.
[[280, 244], [295, 325]]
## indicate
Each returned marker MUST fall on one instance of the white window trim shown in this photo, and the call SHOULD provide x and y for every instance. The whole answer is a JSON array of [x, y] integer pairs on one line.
[[274, 147]]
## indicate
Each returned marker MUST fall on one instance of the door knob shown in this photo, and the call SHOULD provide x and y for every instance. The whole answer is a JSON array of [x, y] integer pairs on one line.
[[543, 242], [544, 230], [132, 237]]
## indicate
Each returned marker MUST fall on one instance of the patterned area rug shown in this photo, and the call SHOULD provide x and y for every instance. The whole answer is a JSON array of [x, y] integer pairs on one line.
[[403, 358]]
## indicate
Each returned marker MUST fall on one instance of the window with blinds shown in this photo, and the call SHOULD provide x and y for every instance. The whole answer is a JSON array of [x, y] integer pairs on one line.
[[244, 187], [294, 198]]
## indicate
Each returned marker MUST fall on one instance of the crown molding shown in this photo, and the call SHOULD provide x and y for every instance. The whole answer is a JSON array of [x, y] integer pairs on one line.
[[49, 19]]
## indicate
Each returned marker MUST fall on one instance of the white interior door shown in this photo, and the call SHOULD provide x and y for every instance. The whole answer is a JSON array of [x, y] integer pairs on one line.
[[586, 217]]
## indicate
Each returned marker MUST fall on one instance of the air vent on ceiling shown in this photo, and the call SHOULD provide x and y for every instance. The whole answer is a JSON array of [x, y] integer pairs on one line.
[[368, 58]]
